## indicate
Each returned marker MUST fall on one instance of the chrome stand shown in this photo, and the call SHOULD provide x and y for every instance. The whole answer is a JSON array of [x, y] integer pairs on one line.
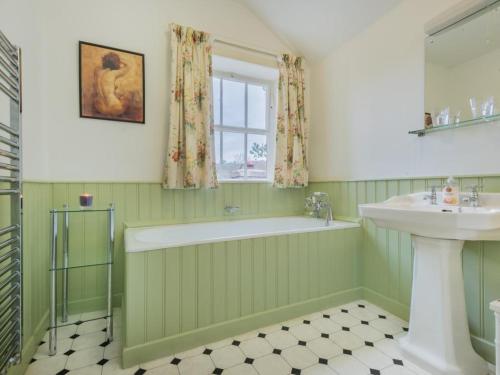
[[65, 267]]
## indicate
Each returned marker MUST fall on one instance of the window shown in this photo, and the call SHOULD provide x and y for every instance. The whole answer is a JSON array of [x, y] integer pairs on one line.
[[243, 137]]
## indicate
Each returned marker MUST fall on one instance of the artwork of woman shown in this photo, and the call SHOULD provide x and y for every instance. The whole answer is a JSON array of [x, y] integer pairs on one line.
[[111, 83]]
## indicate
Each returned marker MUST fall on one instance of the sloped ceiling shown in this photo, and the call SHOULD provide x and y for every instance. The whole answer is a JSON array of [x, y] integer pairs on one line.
[[316, 27]]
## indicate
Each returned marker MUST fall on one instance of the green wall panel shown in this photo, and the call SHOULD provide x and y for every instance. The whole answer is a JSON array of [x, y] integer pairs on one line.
[[223, 282], [387, 256]]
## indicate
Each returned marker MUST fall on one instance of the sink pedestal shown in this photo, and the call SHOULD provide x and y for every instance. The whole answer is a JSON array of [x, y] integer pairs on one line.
[[439, 339]]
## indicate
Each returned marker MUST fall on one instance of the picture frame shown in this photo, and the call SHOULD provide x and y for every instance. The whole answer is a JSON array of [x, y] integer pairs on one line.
[[111, 83]]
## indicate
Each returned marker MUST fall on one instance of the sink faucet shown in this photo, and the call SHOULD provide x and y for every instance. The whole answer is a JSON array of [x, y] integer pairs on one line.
[[433, 195], [473, 198], [317, 202]]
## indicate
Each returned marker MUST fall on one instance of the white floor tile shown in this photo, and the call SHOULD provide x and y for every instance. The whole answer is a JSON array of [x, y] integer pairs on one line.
[[62, 346], [199, 365], [88, 341], [281, 339], [318, 370], [387, 326], [113, 367], [243, 369], [113, 349], [156, 363], [227, 356], [305, 332], [47, 366], [85, 357], [324, 348], [326, 325], [256, 347], [62, 332], [299, 357], [89, 370], [397, 370], [345, 320], [93, 315], [363, 313], [272, 364], [367, 333], [348, 365], [246, 336], [347, 340], [372, 358], [91, 326], [191, 352], [220, 344], [164, 370]]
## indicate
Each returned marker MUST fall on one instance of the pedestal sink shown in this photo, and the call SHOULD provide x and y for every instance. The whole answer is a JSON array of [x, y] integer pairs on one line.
[[439, 339]]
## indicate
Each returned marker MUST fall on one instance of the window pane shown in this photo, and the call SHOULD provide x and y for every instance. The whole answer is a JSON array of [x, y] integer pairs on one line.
[[217, 147], [257, 156], [233, 156], [233, 112], [257, 106], [216, 100]]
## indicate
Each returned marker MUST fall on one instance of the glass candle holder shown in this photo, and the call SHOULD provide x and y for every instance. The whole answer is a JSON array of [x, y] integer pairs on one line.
[[86, 200]]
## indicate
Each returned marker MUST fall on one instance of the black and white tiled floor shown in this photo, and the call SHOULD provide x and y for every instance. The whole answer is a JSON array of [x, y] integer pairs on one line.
[[355, 339]]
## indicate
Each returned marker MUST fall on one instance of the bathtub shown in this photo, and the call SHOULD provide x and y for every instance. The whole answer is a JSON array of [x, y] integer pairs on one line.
[[168, 236]]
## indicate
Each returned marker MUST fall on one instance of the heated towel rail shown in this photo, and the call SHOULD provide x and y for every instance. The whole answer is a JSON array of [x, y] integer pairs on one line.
[[10, 206]]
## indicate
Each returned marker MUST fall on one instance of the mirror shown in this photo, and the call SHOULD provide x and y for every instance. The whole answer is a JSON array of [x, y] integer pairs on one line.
[[462, 70]]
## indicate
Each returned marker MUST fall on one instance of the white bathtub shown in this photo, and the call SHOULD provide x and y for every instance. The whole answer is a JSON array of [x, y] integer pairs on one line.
[[162, 237]]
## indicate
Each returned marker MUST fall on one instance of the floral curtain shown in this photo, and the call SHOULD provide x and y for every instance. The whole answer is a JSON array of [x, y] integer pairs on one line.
[[190, 158], [292, 131]]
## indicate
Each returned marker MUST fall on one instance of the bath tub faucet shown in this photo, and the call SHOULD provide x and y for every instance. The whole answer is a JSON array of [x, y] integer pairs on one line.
[[317, 202]]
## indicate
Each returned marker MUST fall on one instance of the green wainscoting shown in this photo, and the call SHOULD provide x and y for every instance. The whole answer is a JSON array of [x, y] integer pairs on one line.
[[387, 255], [184, 297], [145, 203]]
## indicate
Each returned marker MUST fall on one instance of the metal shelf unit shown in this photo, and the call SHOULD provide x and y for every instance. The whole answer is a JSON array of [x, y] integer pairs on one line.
[[11, 246], [66, 266]]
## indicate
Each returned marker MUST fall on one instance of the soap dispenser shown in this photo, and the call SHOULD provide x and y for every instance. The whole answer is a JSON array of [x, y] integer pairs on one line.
[[450, 192]]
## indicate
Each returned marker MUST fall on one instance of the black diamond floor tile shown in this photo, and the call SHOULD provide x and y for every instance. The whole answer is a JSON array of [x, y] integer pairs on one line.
[[277, 351], [69, 352], [217, 371], [236, 343], [347, 351], [382, 317], [295, 371], [374, 372], [346, 329], [285, 328], [303, 343], [41, 342], [397, 362], [364, 322], [344, 311], [207, 351], [33, 360], [261, 335], [75, 336], [103, 361], [77, 323], [368, 343], [141, 371], [362, 306], [405, 329], [387, 336], [62, 372], [175, 361], [323, 361], [325, 335], [249, 360], [307, 321], [326, 316], [105, 343]]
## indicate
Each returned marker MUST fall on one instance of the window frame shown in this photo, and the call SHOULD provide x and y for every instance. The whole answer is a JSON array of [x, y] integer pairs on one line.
[[269, 130]]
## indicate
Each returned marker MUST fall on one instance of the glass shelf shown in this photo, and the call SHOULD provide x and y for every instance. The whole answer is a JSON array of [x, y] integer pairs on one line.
[[62, 268], [459, 125], [80, 209]]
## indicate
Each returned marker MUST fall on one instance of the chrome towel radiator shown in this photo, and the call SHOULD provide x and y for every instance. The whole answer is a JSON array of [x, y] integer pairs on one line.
[[10, 206]]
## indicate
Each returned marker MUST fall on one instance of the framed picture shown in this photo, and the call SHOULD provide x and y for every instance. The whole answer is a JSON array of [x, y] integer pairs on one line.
[[111, 83]]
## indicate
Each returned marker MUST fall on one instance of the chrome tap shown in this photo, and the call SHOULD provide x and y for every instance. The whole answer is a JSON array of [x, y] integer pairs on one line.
[[433, 195], [473, 198], [317, 202]]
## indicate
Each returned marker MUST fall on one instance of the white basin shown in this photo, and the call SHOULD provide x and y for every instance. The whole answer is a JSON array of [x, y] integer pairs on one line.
[[439, 339]]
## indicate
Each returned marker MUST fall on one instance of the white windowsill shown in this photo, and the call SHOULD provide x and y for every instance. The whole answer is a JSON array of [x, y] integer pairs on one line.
[[245, 181]]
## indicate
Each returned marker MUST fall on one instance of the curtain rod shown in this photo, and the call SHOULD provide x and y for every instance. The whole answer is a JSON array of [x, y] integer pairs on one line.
[[251, 49]]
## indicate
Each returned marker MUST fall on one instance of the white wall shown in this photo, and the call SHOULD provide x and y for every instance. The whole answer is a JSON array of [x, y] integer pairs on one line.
[[369, 93], [60, 146]]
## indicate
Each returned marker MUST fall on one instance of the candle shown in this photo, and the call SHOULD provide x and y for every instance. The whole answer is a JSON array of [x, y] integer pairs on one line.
[[86, 200]]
